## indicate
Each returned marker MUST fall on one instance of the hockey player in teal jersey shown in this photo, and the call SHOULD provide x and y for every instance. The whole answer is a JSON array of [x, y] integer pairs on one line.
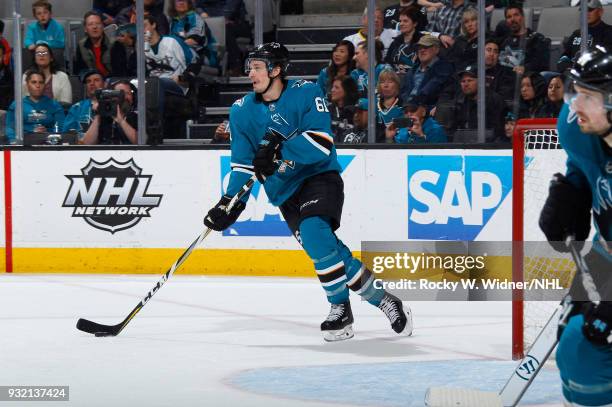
[[584, 355], [281, 132]]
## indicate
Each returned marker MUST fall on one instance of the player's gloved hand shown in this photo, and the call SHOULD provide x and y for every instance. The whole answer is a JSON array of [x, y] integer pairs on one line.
[[597, 326], [267, 156], [567, 211], [218, 219]]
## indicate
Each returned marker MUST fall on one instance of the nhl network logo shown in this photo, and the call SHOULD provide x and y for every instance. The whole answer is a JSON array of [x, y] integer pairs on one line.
[[110, 196]]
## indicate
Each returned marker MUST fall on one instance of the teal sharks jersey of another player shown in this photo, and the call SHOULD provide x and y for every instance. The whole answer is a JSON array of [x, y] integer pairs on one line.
[[589, 166], [301, 115]]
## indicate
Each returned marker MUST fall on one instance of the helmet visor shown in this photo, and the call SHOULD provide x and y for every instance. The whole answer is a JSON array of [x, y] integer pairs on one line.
[[585, 98], [257, 65]]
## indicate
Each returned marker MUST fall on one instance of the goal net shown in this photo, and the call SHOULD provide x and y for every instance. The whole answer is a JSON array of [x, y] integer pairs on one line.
[[537, 155]]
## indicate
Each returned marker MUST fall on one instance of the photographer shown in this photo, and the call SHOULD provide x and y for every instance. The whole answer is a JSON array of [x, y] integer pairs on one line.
[[114, 121], [416, 127], [80, 115]]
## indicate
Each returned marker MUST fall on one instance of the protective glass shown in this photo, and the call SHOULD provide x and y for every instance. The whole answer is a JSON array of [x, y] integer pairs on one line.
[[585, 98], [249, 65]]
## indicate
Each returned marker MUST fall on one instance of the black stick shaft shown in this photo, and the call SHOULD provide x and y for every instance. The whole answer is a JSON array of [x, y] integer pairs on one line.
[[113, 330]]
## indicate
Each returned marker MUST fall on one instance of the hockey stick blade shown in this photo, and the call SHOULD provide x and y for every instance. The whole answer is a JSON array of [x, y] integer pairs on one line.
[[96, 329], [517, 384]]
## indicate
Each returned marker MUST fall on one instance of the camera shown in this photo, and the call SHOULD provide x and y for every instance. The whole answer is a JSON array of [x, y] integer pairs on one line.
[[401, 122], [108, 100]]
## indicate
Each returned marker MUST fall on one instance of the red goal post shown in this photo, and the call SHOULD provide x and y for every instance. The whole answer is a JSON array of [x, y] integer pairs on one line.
[[537, 155]]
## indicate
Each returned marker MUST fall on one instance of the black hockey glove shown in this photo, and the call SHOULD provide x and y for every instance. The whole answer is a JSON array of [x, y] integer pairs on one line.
[[567, 211], [218, 219], [597, 326], [267, 156]]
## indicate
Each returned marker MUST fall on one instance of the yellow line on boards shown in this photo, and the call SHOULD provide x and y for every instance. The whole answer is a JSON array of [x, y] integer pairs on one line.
[[281, 263]]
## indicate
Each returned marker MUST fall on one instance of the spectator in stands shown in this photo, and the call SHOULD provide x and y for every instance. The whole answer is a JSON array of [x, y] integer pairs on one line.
[[554, 97], [188, 25], [167, 58], [7, 47], [465, 115], [57, 83], [222, 134], [122, 128], [81, 114], [447, 21], [342, 99], [97, 51], [109, 9], [509, 124], [499, 79], [533, 95], [41, 114], [423, 128], [385, 35], [359, 132], [236, 26], [425, 82], [523, 49], [389, 104], [402, 53], [392, 13], [599, 33], [45, 28], [151, 8], [126, 35], [6, 82], [360, 73], [341, 64], [464, 50]]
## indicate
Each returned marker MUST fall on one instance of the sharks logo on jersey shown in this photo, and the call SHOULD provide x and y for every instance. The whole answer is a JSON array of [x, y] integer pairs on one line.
[[239, 102], [603, 194], [511, 57]]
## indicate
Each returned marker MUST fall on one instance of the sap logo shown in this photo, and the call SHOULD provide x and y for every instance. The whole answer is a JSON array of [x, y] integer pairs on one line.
[[261, 218], [453, 197]]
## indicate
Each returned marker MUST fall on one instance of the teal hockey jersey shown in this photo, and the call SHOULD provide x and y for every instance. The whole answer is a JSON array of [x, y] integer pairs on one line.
[[301, 115], [589, 168]]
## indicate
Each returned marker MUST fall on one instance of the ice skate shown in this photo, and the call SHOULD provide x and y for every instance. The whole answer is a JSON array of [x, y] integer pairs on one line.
[[400, 318], [339, 323]]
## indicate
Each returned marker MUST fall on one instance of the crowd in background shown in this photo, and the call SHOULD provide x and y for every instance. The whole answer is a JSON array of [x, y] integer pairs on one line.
[[425, 71], [178, 43]]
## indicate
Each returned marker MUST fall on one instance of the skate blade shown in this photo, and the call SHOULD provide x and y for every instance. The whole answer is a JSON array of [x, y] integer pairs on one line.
[[408, 327], [339, 335]]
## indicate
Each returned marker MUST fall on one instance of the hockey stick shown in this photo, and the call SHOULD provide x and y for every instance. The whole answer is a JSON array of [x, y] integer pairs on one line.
[[583, 268], [114, 330], [528, 368]]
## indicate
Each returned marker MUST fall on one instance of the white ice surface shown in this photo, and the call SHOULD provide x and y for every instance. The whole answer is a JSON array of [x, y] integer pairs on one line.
[[205, 341]]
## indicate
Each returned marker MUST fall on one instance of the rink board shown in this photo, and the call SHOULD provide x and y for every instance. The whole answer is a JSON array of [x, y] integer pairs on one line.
[[66, 218]]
